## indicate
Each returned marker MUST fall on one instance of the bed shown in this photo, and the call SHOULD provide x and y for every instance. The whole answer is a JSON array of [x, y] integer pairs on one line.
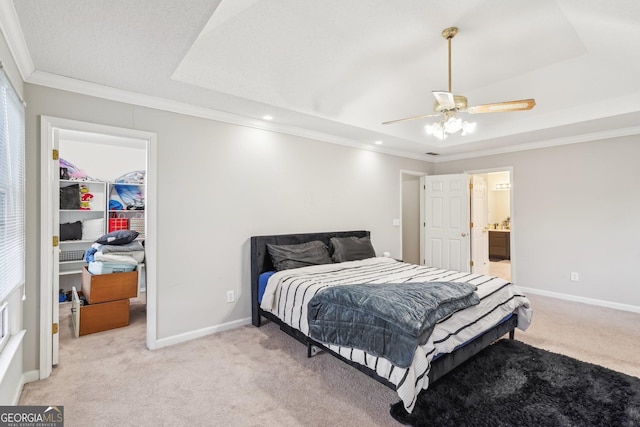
[[454, 339]]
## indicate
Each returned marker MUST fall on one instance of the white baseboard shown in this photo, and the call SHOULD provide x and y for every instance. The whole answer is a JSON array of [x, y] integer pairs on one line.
[[188, 336], [584, 300], [31, 376]]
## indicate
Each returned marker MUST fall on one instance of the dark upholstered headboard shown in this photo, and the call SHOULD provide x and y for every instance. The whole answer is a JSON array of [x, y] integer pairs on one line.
[[261, 261]]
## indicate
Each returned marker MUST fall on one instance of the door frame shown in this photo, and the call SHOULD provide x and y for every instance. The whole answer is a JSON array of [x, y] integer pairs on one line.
[[513, 220], [48, 127], [478, 227], [418, 174]]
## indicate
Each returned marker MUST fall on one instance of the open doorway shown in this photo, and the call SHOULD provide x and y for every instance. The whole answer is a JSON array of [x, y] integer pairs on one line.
[[499, 218], [410, 215], [446, 230], [100, 137]]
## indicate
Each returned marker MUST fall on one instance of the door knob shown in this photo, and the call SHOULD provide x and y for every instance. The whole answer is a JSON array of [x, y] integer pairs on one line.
[[463, 234]]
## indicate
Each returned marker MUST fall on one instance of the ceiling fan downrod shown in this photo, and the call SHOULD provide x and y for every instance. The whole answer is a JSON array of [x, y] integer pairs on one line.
[[449, 33]]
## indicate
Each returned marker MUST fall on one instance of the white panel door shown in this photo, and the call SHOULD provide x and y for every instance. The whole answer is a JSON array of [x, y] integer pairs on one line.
[[446, 221], [479, 221]]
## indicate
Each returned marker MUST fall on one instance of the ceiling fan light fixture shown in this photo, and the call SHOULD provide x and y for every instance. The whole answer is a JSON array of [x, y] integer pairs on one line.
[[468, 127], [450, 125], [436, 129], [453, 124]]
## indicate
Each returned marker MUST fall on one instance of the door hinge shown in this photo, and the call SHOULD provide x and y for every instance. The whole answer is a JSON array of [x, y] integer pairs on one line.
[[54, 328], [55, 241], [470, 186], [471, 225], [471, 263], [55, 154]]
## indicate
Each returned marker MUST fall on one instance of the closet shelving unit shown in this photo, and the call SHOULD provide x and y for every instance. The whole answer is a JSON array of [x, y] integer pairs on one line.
[[71, 252]]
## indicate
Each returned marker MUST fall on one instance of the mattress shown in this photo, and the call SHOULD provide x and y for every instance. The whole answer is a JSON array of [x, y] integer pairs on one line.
[[288, 292]]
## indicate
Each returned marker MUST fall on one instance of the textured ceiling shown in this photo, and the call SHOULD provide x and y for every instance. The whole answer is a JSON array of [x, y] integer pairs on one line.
[[339, 68]]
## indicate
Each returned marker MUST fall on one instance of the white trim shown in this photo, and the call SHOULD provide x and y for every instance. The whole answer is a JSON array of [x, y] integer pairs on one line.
[[151, 239], [12, 30], [513, 259], [188, 336], [104, 92], [9, 353], [401, 197], [11, 356], [30, 376], [46, 262], [584, 300], [48, 125], [5, 334], [595, 136]]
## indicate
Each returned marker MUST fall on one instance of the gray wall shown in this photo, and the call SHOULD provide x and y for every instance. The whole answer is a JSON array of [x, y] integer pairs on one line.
[[576, 209], [219, 184]]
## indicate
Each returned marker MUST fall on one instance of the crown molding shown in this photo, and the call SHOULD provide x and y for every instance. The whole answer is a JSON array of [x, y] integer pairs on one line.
[[595, 136], [92, 89], [12, 30], [133, 98]]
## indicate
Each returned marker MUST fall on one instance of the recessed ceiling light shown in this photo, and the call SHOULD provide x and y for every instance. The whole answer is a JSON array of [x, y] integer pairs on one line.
[[267, 117], [378, 142]]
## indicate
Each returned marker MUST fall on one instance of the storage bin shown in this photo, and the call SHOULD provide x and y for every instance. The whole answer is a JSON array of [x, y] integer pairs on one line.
[[92, 318], [99, 288], [119, 222], [71, 255], [98, 267], [137, 224]]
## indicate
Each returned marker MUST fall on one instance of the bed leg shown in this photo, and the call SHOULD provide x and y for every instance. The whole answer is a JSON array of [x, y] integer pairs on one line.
[[312, 350], [512, 334]]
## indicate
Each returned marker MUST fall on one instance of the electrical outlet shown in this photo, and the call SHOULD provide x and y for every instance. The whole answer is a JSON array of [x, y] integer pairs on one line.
[[230, 296], [574, 276]]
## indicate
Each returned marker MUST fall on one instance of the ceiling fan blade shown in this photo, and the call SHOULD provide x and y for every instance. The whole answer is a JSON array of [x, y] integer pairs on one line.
[[411, 118], [445, 99], [503, 107]]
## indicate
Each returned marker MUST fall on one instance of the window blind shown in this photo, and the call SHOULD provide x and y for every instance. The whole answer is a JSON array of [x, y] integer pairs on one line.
[[12, 189]]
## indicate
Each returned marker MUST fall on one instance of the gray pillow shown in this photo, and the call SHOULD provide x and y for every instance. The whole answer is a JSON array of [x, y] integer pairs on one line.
[[118, 237], [351, 248], [285, 257]]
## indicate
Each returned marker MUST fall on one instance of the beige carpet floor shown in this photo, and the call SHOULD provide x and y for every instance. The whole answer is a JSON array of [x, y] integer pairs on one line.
[[261, 377]]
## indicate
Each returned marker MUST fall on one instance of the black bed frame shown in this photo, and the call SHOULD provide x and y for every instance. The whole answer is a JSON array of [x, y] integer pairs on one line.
[[261, 262]]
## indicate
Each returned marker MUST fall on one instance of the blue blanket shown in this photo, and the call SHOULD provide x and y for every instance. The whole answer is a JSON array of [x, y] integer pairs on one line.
[[388, 320]]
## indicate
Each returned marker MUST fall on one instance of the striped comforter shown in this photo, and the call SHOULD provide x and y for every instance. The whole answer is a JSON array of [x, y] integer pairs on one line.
[[288, 293]]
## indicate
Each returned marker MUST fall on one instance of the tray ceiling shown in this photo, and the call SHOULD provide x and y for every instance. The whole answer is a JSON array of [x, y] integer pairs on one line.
[[337, 69]]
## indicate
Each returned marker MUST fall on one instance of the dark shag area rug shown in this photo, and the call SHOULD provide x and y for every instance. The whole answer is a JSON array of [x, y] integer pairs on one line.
[[514, 384]]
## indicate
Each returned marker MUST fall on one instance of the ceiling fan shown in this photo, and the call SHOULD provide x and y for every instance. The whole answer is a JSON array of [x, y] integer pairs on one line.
[[448, 105]]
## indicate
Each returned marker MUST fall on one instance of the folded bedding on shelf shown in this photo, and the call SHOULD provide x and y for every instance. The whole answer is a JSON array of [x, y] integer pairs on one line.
[[129, 253], [133, 258], [128, 247], [99, 267]]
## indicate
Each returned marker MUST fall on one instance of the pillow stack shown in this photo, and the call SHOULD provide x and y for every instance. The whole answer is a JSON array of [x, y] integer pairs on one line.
[[115, 252]]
